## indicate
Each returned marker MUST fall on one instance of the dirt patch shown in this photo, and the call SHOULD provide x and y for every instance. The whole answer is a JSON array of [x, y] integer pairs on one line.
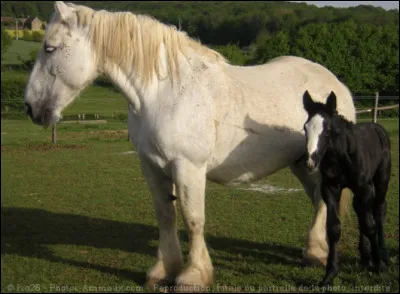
[[84, 122], [42, 147], [110, 134], [51, 147]]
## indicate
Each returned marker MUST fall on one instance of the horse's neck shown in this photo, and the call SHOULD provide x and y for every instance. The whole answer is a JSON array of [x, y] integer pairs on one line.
[[140, 95]]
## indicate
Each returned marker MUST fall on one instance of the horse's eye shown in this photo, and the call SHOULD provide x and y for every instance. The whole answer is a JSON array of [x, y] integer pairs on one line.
[[49, 49]]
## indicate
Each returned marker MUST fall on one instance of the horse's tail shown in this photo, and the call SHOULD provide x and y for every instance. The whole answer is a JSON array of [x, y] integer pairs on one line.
[[345, 202]]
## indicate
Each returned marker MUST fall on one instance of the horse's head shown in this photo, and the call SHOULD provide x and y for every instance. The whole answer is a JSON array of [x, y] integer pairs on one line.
[[318, 127], [65, 65]]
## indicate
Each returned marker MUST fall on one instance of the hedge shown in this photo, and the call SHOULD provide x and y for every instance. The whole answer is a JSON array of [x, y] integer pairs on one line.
[[12, 92], [28, 35]]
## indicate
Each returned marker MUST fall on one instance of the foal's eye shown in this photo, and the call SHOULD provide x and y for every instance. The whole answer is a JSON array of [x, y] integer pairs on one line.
[[49, 49]]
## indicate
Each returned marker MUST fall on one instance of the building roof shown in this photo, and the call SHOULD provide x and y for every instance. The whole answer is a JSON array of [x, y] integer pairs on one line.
[[7, 18]]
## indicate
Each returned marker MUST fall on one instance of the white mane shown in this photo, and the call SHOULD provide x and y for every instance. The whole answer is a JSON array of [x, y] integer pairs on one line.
[[127, 40]]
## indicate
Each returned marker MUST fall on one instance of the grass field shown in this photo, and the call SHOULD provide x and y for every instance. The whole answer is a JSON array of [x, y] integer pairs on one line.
[[77, 216], [19, 48]]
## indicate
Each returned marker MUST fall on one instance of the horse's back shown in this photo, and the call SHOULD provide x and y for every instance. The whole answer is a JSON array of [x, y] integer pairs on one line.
[[259, 115], [282, 81]]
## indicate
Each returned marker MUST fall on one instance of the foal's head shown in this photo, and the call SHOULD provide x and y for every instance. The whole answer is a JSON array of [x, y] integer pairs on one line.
[[318, 127]]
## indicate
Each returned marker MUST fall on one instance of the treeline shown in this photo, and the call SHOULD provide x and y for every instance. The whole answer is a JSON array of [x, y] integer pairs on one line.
[[359, 44]]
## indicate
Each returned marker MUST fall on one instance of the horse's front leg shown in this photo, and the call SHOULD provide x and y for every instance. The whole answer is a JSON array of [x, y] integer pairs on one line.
[[316, 250], [170, 260], [190, 181]]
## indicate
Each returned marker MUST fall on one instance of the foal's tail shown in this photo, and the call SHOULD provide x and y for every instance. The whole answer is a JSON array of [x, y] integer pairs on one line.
[[345, 202]]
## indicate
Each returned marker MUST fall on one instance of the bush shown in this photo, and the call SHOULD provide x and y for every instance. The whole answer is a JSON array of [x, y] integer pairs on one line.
[[37, 36], [12, 92], [27, 35], [5, 42], [233, 53]]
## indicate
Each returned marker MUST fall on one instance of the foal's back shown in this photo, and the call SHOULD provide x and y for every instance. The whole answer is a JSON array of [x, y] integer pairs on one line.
[[372, 148]]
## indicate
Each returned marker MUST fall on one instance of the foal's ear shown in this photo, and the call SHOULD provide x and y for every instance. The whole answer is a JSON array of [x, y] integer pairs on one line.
[[331, 103], [308, 103]]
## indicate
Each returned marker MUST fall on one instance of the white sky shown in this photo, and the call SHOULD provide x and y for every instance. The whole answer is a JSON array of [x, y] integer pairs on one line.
[[384, 4]]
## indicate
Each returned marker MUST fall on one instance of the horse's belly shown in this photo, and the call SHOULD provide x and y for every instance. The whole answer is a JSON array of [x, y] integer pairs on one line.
[[242, 155]]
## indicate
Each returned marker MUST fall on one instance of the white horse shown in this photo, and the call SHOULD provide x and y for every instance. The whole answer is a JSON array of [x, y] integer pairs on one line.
[[193, 116]]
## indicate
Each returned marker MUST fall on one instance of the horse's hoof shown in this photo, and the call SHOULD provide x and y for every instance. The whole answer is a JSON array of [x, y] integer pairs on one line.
[[158, 285], [193, 280], [314, 262]]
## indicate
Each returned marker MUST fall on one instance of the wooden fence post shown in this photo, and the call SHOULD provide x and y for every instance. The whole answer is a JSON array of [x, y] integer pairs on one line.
[[53, 134], [375, 112]]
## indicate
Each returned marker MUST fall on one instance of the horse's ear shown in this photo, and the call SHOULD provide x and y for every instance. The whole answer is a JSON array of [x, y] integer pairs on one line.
[[308, 103], [331, 103], [64, 10]]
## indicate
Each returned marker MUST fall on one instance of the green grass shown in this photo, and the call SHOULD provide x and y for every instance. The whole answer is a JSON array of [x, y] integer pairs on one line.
[[19, 48], [79, 215], [98, 100]]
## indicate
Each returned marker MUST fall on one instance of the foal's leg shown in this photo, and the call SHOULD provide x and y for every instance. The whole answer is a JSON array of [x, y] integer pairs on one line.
[[381, 183], [190, 181], [169, 255], [363, 204], [316, 250], [331, 196]]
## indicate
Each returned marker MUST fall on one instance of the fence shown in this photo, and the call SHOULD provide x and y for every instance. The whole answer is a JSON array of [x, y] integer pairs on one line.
[[374, 110], [104, 110]]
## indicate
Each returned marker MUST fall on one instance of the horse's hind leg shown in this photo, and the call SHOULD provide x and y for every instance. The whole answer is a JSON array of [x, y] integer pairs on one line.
[[316, 251], [190, 181], [169, 255]]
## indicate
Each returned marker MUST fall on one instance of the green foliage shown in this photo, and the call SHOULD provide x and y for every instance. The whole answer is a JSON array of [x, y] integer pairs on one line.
[[5, 42], [37, 36], [360, 45], [365, 57], [271, 47], [233, 53]]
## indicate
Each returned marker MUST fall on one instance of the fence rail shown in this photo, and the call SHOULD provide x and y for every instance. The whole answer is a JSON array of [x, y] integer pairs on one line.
[[114, 113]]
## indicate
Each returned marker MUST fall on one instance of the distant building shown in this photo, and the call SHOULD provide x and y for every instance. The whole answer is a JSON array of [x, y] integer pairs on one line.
[[33, 23]]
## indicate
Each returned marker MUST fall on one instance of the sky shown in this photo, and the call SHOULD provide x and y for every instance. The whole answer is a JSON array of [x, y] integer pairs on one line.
[[384, 4]]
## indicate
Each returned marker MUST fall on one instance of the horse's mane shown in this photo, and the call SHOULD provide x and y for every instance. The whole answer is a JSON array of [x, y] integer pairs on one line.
[[133, 41]]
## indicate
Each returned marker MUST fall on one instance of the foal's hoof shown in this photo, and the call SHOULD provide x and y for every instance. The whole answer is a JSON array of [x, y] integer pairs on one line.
[[367, 263], [382, 268]]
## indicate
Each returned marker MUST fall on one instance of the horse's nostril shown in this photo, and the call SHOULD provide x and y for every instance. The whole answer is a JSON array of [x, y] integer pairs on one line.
[[28, 109]]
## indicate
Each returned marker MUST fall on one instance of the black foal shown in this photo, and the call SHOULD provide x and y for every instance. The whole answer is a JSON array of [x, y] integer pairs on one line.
[[354, 156]]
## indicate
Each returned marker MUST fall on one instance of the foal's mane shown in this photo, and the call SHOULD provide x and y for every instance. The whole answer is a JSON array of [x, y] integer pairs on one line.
[[341, 123], [133, 41]]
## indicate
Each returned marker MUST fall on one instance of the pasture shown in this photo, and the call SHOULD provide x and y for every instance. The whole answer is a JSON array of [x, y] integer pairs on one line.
[[78, 216], [19, 48]]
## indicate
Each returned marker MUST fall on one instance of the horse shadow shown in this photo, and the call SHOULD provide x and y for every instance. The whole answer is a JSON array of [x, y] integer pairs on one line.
[[275, 140], [29, 232]]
